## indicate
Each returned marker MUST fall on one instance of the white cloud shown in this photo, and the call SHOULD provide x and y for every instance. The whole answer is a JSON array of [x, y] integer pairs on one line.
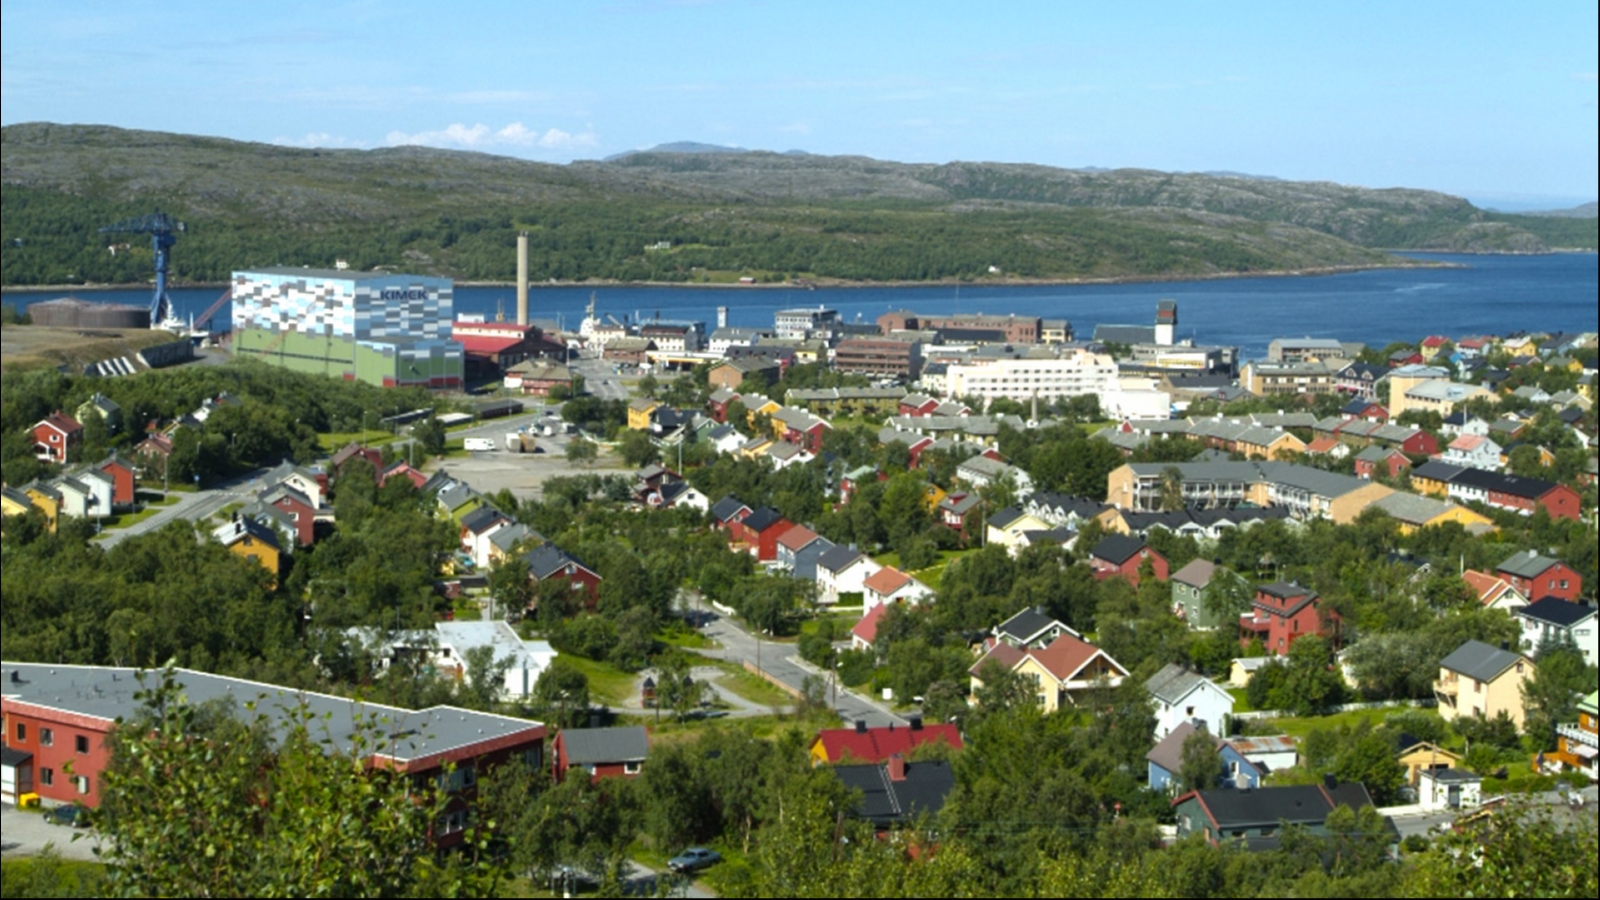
[[322, 139], [481, 137]]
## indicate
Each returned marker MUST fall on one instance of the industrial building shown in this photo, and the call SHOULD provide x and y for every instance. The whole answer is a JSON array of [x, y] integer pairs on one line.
[[387, 329]]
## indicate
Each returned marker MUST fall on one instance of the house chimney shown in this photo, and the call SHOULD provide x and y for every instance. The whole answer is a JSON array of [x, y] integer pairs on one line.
[[1329, 780], [1505, 645], [861, 726], [916, 723], [897, 768]]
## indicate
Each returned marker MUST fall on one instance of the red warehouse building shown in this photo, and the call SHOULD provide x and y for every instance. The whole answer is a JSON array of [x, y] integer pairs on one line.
[[56, 715]]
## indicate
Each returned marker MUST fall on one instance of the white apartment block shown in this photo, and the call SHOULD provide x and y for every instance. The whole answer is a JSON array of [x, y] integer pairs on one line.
[[1072, 375]]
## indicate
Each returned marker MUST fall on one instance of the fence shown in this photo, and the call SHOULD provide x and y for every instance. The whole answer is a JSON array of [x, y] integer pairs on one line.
[[1256, 715]]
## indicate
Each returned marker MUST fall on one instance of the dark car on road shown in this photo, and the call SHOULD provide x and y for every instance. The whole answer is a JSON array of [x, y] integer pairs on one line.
[[693, 860], [71, 815]]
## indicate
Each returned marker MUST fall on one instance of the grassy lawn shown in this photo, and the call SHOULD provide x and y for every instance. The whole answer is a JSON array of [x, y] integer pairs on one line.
[[751, 687], [30, 877], [1298, 727], [153, 503], [685, 638], [336, 439], [607, 683], [1240, 702]]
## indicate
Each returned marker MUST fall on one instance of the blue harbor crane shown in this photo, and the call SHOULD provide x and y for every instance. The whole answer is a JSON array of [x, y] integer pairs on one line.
[[163, 230]]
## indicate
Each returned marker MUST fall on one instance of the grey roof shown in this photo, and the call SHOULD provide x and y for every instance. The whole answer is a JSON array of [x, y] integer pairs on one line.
[[1005, 517], [106, 693], [481, 519], [588, 746], [11, 757], [837, 559], [1298, 804], [1528, 564], [762, 519], [1028, 625], [1168, 754], [506, 539], [1413, 509], [1125, 334], [1438, 471], [547, 560], [1198, 573], [1478, 660], [1173, 683], [726, 508]]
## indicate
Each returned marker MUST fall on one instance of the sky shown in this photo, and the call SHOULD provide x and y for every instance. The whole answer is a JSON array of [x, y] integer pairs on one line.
[[1492, 101]]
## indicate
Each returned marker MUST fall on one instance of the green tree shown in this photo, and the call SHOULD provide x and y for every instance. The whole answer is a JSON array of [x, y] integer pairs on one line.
[[1199, 767], [676, 688], [1550, 695], [561, 695], [582, 451], [485, 677], [430, 434], [637, 449], [511, 586], [195, 803]]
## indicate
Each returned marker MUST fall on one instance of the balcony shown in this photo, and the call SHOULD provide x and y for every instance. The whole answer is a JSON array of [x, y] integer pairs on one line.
[[1578, 736], [1256, 624]]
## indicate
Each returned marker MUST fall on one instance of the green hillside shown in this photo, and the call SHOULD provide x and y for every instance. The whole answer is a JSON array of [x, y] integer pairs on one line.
[[727, 214]]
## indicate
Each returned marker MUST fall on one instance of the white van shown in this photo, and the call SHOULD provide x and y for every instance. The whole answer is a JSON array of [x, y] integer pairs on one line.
[[476, 444]]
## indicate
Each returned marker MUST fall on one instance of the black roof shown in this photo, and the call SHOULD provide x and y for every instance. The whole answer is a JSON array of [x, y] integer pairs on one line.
[[1296, 804], [888, 802], [1284, 590], [1026, 625], [1531, 488], [836, 559], [12, 757], [762, 519], [481, 518], [1117, 548], [1557, 611], [1438, 471], [548, 560]]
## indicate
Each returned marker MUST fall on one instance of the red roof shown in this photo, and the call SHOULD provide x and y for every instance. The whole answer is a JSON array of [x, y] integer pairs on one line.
[[867, 628], [797, 538], [1002, 653], [61, 422], [1322, 445], [1066, 655], [1489, 588], [486, 344], [874, 745], [886, 580]]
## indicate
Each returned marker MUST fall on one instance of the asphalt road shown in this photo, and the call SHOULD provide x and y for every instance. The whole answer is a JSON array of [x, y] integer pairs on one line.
[[781, 662], [195, 507]]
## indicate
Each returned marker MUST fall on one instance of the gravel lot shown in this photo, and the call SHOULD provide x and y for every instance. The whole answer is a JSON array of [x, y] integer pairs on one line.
[[523, 473], [26, 833]]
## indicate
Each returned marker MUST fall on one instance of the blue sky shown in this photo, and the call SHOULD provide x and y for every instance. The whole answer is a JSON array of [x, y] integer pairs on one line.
[[1493, 101]]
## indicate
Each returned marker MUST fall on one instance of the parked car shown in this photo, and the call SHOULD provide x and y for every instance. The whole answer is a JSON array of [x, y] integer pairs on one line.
[[693, 860], [70, 815]]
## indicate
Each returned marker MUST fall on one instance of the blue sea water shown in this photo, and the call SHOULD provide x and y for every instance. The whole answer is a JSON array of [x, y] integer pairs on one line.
[[1485, 295]]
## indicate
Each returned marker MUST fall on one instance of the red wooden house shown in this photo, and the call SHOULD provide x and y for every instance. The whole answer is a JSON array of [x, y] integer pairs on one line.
[[1119, 554], [759, 532], [122, 479], [299, 508], [602, 752], [917, 405], [1377, 460], [1536, 577], [548, 562], [57, 437], [1282, 613]]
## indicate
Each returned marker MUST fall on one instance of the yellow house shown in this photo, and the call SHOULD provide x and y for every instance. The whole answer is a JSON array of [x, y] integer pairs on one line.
[[1414, 511], [1480, 680], [1005, 527], [756, 447], [1344, 508], [1062, 672], [14, 502], [639, 412], [933, 495], [250, 539], [1423, 756], [48, 499]]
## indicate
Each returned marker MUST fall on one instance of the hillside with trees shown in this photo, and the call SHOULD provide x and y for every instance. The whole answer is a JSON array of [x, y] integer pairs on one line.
[[770, 216]]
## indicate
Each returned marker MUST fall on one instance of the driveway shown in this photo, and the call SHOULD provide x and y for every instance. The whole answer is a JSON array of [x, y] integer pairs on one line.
[[25, 833]]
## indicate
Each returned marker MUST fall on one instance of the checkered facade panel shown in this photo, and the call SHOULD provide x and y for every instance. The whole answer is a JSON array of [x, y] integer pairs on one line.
[[363, 307]]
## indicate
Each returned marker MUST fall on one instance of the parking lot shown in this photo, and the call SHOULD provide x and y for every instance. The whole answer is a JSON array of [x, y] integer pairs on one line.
[[25, 833]]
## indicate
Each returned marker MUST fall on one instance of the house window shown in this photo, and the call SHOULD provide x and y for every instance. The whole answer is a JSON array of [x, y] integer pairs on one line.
[[83, 783], [22, 732], [630, 768], [47, 777], [81, 743], [47, 737]]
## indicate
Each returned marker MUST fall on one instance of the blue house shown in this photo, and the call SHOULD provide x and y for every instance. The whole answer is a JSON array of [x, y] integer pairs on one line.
[[1165, 761]]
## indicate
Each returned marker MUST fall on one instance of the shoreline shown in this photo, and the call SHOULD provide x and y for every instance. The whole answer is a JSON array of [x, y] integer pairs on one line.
[[834, 284]]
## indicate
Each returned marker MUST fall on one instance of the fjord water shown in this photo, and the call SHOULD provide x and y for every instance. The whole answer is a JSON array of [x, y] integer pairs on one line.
[[1479, 295]]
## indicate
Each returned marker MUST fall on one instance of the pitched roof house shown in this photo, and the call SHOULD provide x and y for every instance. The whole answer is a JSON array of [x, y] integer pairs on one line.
[[1552, 620], [1064, 670], [1119, 554], [1184, 696], [873, 745], [843, 570], [1480, 680], [1164, 762], [602, 752], [1255, 818], [897, 792]]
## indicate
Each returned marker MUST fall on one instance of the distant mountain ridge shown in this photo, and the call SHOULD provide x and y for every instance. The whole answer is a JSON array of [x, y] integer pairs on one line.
[[720, 209], [1581, 211]]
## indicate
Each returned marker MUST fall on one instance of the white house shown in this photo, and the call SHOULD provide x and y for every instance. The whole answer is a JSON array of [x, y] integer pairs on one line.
[[1553, 619], [1181, 696], [890, 585], [1448, 789], [981, 471], [1474, 452], [843, 570]]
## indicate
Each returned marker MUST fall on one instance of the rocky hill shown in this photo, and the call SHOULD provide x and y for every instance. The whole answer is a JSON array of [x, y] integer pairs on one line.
[[724, 214]]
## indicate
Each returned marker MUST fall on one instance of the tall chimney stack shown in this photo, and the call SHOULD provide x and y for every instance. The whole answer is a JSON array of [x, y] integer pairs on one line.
[[522, 278], [722, 317]]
